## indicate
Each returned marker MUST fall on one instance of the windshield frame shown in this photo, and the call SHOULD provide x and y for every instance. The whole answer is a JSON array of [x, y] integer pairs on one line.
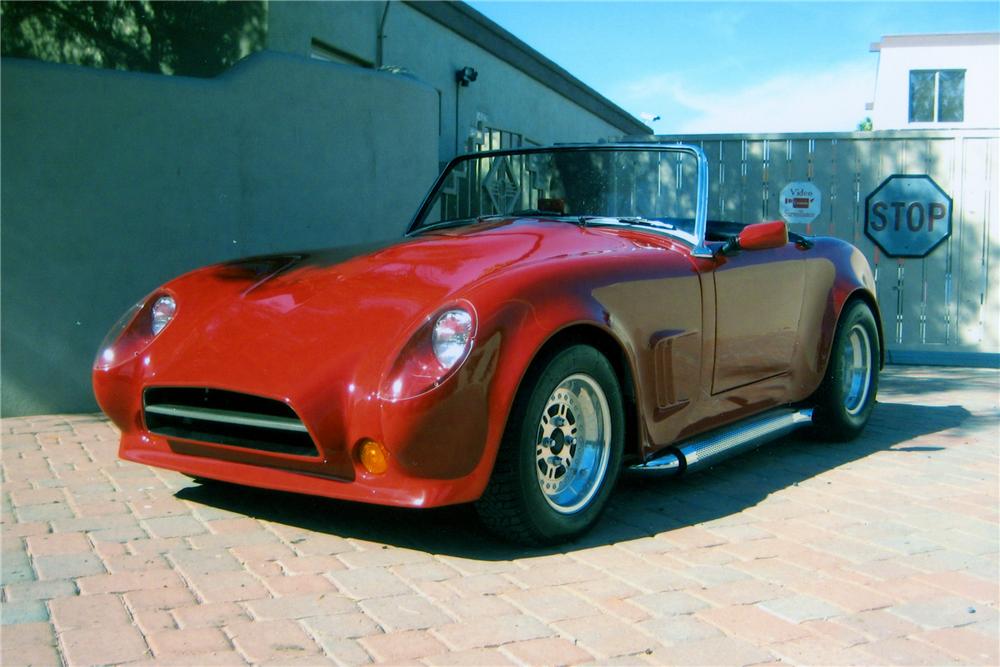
[[701, 207]]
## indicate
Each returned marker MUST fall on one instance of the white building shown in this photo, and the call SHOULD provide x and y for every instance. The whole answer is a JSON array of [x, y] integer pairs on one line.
[[944, 81]]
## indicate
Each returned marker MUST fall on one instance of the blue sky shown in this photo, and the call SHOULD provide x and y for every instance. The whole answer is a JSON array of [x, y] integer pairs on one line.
[[731, 66]]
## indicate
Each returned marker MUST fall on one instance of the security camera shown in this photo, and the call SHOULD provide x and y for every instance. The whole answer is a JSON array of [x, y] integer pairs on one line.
[[466, 75]]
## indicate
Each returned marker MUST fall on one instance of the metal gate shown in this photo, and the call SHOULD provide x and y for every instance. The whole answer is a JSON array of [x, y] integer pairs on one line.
[[943, 308]]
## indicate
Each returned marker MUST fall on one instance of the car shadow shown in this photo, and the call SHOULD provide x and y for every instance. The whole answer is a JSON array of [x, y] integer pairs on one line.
[[641, 506]]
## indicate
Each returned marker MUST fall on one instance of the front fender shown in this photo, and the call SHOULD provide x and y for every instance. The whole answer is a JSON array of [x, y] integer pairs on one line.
[[454, 431]]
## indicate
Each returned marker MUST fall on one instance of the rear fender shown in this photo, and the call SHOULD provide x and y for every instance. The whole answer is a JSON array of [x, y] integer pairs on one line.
[[840, 275]]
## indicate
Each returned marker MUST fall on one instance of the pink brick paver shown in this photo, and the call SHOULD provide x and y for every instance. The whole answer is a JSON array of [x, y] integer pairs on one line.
[[879, 551]]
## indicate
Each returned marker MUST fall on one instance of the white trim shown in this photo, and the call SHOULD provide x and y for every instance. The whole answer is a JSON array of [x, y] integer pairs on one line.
[[228, 417]]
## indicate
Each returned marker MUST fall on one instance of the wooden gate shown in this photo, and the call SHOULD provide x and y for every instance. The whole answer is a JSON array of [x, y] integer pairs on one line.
[[943, 308]]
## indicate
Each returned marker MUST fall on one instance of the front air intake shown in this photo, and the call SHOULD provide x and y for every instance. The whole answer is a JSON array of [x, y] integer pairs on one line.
[[229, 418]]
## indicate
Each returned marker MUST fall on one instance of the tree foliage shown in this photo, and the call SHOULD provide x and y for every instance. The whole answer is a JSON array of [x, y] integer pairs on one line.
[[186, 38]]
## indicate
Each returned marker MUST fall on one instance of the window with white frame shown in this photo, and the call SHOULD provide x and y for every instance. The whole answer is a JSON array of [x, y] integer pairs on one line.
[[937, 95]]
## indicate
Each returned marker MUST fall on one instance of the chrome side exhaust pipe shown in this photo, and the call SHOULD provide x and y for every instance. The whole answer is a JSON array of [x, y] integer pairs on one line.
[[728, 441]]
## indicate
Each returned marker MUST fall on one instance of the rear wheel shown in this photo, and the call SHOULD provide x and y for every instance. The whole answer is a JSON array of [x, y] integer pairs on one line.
[[845, 399], [561, 452]]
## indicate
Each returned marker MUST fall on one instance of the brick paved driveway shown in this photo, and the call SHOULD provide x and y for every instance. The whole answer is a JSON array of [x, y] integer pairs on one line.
[[882, 551]]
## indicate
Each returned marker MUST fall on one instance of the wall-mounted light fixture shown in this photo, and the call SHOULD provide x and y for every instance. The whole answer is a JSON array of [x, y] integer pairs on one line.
[[466, 75]]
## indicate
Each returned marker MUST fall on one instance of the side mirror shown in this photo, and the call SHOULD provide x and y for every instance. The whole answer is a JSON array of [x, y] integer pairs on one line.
[[760, 236]]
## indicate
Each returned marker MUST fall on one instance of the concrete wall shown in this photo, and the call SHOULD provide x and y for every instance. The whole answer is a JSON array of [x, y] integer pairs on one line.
[[114, 182], [977, 54], [349, 26], [502, 96]]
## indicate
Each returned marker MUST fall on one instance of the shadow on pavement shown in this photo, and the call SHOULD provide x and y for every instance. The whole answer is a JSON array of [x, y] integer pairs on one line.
[[641, 506], [917, 381]]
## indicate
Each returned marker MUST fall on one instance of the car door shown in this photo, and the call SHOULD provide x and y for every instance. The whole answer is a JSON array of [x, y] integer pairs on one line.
[[758, 305]]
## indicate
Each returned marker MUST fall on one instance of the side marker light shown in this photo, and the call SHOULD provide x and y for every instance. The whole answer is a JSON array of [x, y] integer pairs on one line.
[[373, 456]]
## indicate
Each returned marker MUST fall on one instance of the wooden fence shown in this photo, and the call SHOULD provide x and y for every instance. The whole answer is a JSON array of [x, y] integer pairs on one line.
[[943, 308]]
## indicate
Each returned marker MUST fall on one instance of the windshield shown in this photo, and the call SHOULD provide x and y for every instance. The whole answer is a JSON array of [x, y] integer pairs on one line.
[[624, 185]]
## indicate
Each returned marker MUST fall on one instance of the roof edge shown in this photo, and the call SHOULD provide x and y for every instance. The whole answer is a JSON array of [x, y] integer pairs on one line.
[[465, 21], [699, 137], [937, 39]]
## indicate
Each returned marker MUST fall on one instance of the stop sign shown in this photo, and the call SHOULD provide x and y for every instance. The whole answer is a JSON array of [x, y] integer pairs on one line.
[[908, 215]]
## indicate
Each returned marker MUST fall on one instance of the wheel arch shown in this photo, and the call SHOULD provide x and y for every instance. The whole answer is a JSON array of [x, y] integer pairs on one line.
[[834, 315], [868, 298], [605, 342]]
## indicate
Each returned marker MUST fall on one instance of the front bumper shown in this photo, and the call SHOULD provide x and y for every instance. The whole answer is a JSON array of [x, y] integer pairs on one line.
[[392, 488], [437, 442]]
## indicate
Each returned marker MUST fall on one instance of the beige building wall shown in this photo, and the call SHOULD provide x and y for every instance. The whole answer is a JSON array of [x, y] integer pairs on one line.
[[976, 53]]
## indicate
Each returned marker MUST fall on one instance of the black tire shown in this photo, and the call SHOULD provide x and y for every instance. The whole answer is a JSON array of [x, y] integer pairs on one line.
[[845, 399], [514, 505]]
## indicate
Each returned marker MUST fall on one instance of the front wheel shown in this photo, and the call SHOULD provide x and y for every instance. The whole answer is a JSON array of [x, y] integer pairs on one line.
[[845, 399], [561, 452]]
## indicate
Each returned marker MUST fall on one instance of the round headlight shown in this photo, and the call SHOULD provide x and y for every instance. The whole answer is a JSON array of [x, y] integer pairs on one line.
[[162, 312], [106, 354], [451, 337]]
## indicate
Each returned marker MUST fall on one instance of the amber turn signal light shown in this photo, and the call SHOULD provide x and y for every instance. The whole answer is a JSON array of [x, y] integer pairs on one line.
[[373, 457]]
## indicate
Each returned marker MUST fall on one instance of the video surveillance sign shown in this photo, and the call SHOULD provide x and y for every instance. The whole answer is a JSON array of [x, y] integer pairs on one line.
[[800, 201], [908, 215]]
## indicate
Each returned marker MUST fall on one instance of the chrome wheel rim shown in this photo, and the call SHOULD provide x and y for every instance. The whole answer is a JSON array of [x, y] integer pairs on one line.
[[857, 365], [573, 444]]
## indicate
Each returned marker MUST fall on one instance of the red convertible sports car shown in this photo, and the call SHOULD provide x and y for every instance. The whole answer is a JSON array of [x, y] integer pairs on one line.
[[551, 316]]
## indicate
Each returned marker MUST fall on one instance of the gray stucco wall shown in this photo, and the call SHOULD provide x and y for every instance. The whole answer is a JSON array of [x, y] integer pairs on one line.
[[114, 182], [504, 95], [507, 98], [349, 26]]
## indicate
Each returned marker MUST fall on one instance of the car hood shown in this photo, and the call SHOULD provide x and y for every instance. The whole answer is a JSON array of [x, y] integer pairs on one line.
[[302, 316]]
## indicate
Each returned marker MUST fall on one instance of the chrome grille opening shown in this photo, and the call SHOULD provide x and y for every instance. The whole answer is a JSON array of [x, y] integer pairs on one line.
[[226, 418]]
